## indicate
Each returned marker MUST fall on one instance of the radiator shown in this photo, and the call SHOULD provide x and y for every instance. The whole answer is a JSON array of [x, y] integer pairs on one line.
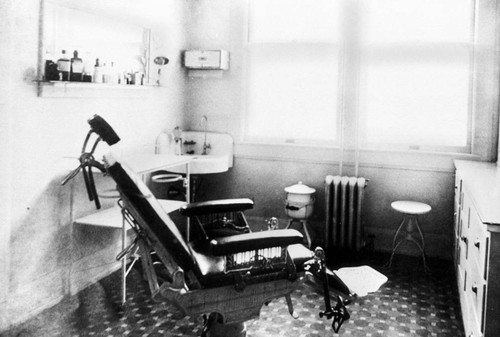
[[344, 201]]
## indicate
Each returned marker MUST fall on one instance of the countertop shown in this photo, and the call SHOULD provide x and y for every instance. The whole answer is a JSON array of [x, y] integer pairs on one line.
[[482, 182]]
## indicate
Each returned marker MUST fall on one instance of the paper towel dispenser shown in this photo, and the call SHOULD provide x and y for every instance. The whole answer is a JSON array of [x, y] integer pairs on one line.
[[206, 59]]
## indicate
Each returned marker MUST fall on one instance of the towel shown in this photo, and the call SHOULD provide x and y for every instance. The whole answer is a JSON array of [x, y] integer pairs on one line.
[[361, 280]]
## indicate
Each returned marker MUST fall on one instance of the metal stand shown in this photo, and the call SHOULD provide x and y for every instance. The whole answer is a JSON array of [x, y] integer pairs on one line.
[[304, 226], [213, 327], [127, 251], [339, 314], [411, 222]]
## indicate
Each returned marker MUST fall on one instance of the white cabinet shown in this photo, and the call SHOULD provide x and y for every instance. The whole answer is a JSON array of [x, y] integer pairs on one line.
[[206, 59], [477, 246]]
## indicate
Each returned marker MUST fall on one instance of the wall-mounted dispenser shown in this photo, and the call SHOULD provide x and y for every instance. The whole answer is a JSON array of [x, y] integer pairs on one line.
[[206, 59]]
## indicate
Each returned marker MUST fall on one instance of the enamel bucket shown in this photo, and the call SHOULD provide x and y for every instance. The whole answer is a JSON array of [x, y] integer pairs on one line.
[[299, 201]]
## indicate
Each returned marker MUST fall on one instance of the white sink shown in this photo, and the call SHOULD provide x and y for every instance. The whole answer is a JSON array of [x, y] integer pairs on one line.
[[206, 164], [220, 154]]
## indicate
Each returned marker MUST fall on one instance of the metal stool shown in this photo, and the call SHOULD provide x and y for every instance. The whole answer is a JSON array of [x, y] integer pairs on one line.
[[410, 210]]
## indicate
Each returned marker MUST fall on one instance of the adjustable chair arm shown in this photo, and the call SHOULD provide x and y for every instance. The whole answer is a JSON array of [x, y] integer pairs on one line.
[[216, 206], [255, 240]]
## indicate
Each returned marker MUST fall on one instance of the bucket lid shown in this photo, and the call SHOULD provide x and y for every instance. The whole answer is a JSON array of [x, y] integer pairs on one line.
[[300, 189]]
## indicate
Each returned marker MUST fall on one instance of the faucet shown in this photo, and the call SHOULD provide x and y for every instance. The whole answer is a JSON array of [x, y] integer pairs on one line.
[[178, 140], [206, 147]]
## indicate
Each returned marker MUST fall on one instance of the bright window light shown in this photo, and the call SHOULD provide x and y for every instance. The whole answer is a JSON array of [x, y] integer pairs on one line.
[[398, 71], [293, 21], [414, 88], [416, 104], [292, 99], [404, 21]]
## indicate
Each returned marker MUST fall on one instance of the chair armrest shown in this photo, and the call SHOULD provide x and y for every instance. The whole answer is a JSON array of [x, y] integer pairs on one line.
[[256, 240], [216, 206]]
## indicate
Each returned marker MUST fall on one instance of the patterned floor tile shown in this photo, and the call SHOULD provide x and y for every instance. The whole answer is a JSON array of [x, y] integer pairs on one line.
[[411, 303]]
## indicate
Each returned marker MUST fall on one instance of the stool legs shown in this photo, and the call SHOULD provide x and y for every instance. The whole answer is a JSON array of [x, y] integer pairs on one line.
[[304, 226], [411, 221]]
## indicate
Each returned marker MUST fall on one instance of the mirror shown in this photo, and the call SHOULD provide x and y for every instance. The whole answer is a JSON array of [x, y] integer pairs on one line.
[[119, 49]]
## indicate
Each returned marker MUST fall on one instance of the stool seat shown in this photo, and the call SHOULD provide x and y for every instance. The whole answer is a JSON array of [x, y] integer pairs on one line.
[[405, 232], [411, 207]]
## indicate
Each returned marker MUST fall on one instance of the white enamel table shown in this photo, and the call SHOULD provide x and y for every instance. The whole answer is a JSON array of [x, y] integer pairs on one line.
[[112, 217]]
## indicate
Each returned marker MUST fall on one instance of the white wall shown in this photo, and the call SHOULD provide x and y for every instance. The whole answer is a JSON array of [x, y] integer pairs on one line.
[[42, 256], [262, 172]]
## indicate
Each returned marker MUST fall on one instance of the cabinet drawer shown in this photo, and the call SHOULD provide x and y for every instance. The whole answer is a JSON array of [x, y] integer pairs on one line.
[[473, 329], [456, 251], [463, 228], [463, 246], [457, 219], [458, 189], [461, 282], [468, 315], [475, 289], [478, 243]]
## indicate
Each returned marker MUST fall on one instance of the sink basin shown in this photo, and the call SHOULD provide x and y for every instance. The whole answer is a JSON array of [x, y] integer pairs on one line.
[[220, 154], [207, 164]]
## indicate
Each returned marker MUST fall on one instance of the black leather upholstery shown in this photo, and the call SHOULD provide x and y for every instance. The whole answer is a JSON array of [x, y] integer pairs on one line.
[[153, 218], [216, 206], [257, 240], [203, 258]]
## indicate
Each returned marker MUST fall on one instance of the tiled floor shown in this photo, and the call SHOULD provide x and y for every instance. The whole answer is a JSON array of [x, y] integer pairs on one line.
[[411, 303]]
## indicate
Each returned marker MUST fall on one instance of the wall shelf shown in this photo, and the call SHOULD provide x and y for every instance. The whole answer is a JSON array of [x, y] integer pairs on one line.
[[120, 48], [60, 89]]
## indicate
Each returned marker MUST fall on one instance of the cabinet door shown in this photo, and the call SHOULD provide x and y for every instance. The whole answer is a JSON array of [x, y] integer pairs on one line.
[[457, 218], [475, 291], [479, 243], [458, 202], [462, 241], [464, 229]]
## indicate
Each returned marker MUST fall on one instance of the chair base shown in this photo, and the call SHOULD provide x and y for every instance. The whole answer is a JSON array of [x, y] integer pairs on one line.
[[227, 330]]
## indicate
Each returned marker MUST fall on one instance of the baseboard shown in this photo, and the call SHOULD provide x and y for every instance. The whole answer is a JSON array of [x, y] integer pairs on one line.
[[20, 318], [436, 245], [11, 316]]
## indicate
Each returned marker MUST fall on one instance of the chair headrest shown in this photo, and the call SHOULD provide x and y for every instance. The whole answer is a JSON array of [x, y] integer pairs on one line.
[[103, 129]]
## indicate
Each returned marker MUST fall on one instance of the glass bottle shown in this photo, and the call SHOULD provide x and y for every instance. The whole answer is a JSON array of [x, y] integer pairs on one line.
[[63, 66], [97, 72], [50, 71], [76, 68]]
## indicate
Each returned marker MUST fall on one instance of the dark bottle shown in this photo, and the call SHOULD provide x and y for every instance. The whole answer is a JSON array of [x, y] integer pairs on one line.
[[51, 73], [76, 68], [63, 66]]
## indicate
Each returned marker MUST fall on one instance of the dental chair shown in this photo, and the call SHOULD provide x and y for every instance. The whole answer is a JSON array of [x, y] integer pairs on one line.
[[213, 265]]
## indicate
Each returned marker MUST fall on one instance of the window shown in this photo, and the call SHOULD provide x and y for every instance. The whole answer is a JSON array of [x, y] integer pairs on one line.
[[400, 67], [414, 83], [293, 71]]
